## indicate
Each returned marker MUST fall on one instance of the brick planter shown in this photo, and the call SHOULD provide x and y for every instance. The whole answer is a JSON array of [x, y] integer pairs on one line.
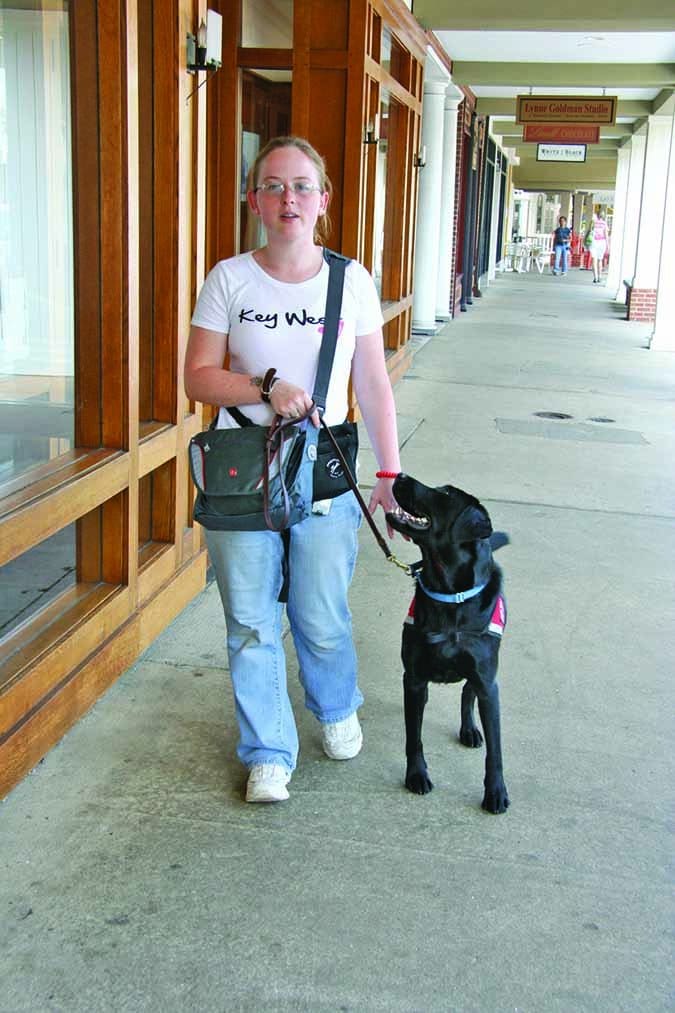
[[641, 304]]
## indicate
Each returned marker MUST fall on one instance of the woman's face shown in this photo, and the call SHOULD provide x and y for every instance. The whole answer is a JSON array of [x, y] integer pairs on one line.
[[288, 215]]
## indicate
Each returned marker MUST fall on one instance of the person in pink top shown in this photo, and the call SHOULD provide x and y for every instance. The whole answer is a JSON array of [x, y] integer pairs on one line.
[[599, 245]]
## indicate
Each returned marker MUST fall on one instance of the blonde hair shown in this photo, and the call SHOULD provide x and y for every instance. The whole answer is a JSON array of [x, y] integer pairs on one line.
[[323, 226]]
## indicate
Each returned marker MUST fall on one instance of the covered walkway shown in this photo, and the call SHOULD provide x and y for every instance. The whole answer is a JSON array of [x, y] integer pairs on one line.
[[135, 878]]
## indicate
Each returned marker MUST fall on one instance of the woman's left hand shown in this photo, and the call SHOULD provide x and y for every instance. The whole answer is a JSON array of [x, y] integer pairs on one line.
[[292, 402], [383, 496]]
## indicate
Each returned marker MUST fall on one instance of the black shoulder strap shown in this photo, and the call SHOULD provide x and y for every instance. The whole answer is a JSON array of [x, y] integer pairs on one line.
[[337, 265], [239, 417]]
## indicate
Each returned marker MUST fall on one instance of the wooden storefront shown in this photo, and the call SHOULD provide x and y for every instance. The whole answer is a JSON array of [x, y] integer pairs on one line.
[[97, 549]]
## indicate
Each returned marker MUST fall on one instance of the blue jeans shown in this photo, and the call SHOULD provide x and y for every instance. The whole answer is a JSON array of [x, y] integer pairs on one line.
[[561, 251], [248, 567]]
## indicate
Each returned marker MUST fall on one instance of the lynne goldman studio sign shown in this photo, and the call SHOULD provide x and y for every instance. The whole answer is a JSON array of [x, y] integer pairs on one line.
[[566, 109]]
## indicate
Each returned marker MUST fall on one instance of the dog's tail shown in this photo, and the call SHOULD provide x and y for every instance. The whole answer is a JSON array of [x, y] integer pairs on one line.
[[498, 539]]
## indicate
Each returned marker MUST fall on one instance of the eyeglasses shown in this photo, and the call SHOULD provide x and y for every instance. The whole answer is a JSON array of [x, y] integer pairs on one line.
[[298, 187]]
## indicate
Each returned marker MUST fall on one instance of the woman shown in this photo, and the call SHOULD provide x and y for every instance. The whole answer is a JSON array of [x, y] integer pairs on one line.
[[599, 245], [264, 309]]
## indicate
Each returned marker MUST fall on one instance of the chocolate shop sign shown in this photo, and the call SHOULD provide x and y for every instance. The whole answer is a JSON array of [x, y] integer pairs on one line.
[[566, 109]]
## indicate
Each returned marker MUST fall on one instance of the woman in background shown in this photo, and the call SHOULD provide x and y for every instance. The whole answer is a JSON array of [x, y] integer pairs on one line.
[[599, 245]]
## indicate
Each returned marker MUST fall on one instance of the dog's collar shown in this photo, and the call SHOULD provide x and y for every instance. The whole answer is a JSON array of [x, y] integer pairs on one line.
[[451, 599]]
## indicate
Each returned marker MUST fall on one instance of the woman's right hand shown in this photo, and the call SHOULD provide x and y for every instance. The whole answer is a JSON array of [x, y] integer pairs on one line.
[[292, 402]]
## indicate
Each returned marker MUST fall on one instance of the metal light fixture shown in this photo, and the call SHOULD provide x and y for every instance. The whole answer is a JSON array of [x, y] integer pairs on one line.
[[420, 159], [205, 49], [373, 130]]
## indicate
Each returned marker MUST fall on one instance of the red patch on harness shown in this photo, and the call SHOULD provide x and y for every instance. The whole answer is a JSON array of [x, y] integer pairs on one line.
[[498, 620], [410, 618]]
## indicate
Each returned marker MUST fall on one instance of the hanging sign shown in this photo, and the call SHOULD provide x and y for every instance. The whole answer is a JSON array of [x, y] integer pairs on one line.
[[561, 133], [566, 109], [561, 152]]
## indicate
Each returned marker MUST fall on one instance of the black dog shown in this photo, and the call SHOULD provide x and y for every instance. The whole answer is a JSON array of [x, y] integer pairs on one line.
[[456, 620]]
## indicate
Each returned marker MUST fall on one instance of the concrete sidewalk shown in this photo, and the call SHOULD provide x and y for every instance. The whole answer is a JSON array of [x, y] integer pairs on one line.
[[135, 878]]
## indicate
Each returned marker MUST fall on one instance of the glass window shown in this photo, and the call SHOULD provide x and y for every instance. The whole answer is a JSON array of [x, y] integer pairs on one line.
[[385, 51], [380, 190], [395, 59], [36, 239], [266, 113], [155, 507], [146, 258], [267, 24], [36, 578], [388, 222]]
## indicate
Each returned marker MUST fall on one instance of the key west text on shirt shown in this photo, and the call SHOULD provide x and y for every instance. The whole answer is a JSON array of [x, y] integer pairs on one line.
[[301, 318]]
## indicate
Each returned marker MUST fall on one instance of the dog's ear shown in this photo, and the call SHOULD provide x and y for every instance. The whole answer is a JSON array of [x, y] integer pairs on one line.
[[473, 522]]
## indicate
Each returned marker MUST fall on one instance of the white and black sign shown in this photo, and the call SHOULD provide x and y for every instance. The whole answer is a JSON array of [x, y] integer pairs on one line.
[[561, 152]]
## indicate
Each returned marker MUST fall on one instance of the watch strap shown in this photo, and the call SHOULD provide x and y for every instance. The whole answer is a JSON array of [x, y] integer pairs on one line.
[[268, 382]]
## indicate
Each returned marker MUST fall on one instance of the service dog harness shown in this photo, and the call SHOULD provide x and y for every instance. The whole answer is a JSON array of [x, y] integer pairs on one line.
[[495, 627]]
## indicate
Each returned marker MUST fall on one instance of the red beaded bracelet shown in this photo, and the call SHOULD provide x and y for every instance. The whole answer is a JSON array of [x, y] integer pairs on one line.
[[386, 474]]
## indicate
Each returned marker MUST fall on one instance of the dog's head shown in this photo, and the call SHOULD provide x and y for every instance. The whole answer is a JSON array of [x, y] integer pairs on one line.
[[441, 519]]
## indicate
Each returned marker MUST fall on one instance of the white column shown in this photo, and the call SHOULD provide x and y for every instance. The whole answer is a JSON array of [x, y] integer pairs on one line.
[[577, 210], [663, 335], [524, 201], [632, 216], [567, 205], [510, 201], [428, 230], [653, 203], [614, 280], [563, 208], [446, 249], [497, 212]]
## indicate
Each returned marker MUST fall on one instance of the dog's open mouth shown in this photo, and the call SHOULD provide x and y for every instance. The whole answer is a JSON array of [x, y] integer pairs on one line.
[[416, 523]]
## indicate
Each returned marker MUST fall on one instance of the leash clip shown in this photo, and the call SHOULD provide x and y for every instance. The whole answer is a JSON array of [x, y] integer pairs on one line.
[[402, 566]]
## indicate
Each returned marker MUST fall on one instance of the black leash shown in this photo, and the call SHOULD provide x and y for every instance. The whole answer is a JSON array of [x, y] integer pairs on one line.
[[366, 512]]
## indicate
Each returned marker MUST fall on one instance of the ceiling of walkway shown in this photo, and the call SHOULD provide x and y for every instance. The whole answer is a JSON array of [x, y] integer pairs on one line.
[[582, 47]]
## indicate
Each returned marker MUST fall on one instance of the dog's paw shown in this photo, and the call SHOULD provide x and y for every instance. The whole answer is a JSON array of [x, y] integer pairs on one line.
[[496, 799], [470, 737], [419, 782]]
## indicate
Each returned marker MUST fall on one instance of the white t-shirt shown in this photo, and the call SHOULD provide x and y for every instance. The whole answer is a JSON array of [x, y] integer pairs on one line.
[[276, 323]]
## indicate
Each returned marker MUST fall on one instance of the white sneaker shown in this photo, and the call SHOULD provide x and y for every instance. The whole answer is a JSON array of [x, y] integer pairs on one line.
[[342, 740], [267, 783]]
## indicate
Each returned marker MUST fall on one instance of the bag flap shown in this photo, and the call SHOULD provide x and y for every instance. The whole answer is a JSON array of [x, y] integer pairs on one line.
[[226, 462], [230, 462]]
